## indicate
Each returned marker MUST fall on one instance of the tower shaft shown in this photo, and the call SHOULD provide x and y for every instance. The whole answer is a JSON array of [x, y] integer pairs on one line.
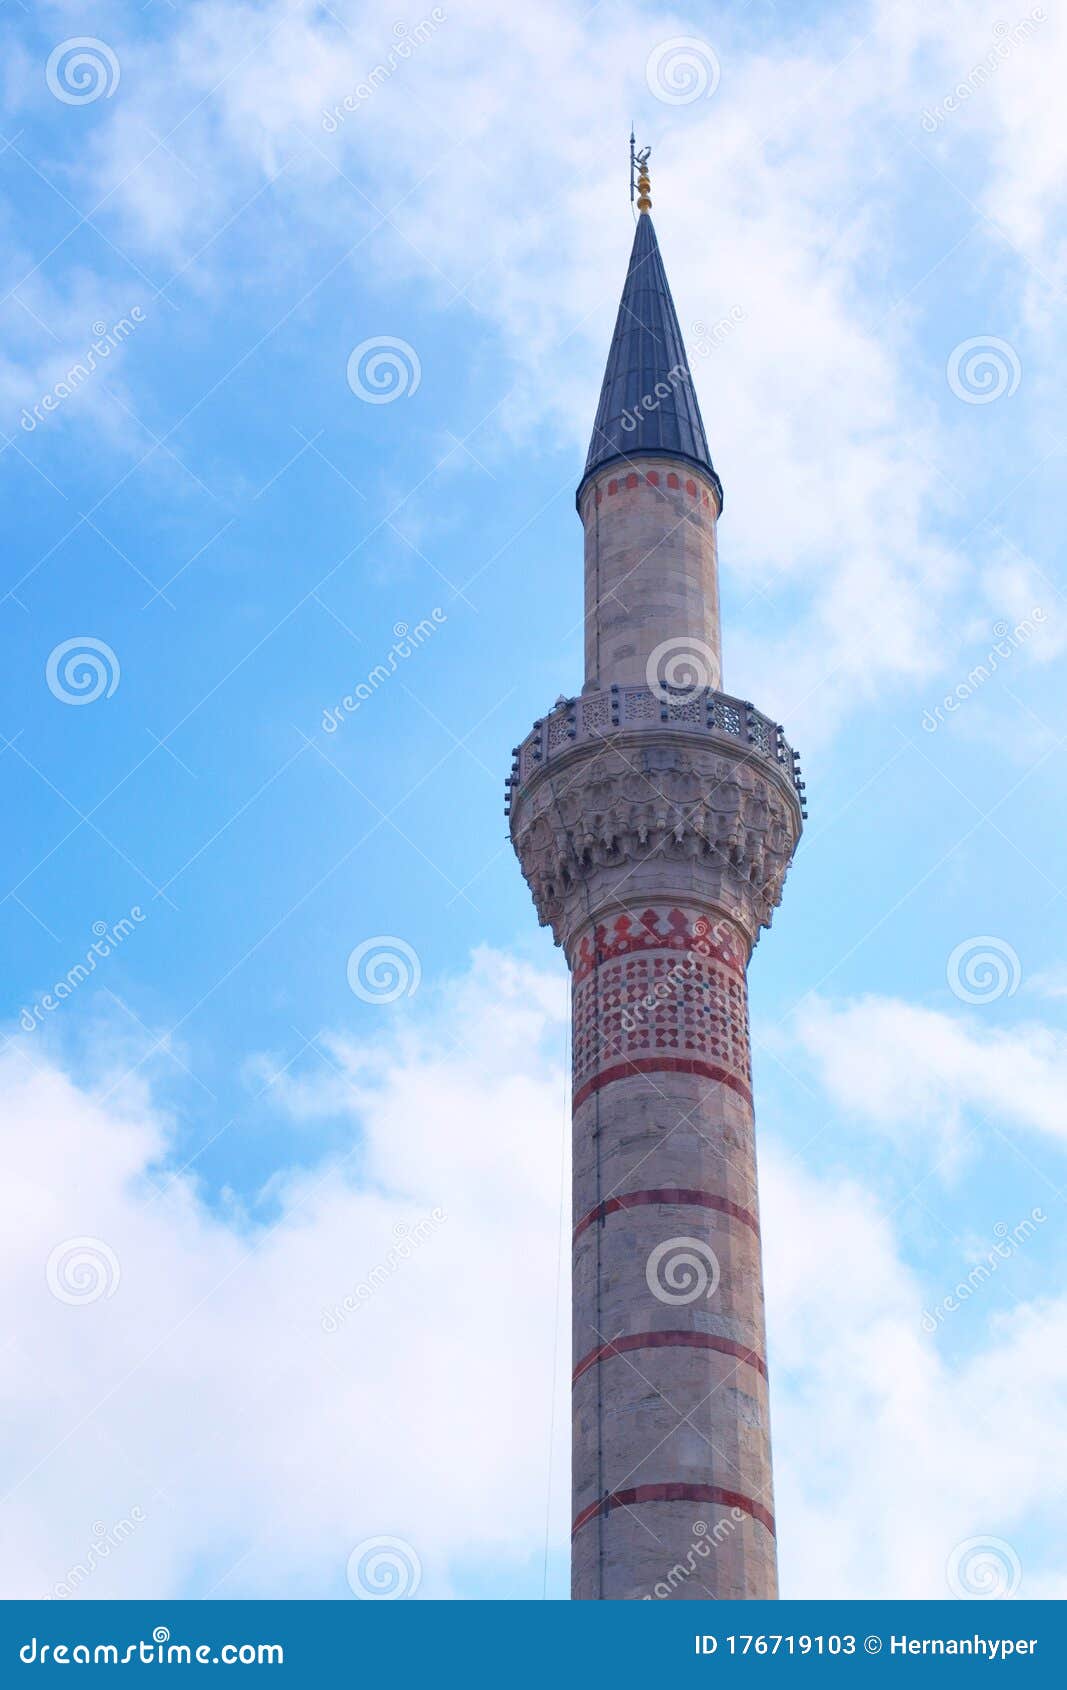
[[651, 574], [654, 818]]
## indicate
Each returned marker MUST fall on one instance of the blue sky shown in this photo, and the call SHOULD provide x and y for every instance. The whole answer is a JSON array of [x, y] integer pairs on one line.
[[245, 534]]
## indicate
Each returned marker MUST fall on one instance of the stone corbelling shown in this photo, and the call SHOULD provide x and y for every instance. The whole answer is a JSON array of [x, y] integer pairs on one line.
[[675, 1493], [587, 826]]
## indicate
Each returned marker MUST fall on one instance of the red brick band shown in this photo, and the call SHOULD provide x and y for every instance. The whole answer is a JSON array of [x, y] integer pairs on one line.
[[675, 1493], [661, 1065], [652, 477], [669, 1340], [668, 1195]]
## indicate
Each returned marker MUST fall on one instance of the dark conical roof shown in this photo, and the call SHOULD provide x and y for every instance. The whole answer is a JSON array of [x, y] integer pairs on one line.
[[647, 351]]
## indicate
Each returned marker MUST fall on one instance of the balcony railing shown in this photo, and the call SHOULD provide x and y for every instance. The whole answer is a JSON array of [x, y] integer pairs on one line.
[[599, 715]]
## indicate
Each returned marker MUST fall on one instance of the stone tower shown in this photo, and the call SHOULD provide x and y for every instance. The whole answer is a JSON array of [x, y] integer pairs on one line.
[[654, 817]]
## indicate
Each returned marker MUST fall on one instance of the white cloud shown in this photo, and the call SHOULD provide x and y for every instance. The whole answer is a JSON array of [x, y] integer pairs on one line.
[[67, 357], [207, 1393], [887, 1457], [1050, 983], [906, 1070], [260, 1448]]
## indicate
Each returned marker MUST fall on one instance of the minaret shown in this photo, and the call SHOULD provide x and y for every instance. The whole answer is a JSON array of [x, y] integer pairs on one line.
[[654, 817]]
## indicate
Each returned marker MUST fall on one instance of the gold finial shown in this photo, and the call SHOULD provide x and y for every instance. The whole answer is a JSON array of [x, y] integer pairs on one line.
[[644, 201], [639, 170]]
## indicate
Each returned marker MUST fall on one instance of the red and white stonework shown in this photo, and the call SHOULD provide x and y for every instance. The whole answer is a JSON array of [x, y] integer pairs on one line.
[[654, 824], [650, 564]]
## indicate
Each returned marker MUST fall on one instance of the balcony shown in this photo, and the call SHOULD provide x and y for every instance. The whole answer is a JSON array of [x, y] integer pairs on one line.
[[700, 711]]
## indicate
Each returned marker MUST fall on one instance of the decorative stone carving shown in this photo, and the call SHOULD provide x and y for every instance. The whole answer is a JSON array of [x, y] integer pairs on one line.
[[662, 928], [660, 1011], [656, 810]]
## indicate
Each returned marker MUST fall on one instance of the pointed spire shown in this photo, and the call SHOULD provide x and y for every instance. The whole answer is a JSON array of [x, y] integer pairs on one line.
[[648, 403]]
